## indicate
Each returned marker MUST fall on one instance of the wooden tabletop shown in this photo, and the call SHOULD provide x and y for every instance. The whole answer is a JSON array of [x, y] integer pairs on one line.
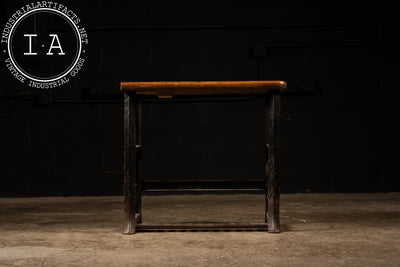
[[169, 89]]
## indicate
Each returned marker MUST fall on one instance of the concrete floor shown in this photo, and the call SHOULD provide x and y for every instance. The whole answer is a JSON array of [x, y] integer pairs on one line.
[[318, 230]]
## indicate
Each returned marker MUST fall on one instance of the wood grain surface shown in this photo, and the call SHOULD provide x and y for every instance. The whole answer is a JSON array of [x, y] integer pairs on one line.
[[168, 89]]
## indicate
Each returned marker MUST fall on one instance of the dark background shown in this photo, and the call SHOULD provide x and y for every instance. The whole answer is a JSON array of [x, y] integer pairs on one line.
[[341, 63]]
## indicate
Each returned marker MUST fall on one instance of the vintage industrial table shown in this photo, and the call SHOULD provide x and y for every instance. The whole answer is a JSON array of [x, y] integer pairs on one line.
[[134, 92]]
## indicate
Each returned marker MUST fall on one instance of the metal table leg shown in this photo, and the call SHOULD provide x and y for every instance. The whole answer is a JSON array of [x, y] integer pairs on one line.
[[130, 164], [272, 161]]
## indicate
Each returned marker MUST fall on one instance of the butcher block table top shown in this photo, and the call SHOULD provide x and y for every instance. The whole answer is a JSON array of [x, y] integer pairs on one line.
[[169, 89]]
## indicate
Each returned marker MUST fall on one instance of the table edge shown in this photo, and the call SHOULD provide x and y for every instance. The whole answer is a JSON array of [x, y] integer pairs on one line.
[[202, 87]]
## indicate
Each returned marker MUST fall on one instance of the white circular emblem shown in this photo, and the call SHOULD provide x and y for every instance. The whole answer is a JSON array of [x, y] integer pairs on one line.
[[44, 43]]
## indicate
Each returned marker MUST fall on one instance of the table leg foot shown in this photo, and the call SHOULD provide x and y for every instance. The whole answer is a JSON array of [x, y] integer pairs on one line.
[[130, 225], [273, 216]]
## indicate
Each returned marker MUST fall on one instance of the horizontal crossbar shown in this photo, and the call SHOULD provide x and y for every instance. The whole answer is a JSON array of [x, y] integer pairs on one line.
[[152, 185], [202, 226]]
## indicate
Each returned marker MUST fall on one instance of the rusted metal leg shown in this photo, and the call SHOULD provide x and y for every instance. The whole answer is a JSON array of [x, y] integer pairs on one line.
[[129, 164], [139, 172], [272, 162]]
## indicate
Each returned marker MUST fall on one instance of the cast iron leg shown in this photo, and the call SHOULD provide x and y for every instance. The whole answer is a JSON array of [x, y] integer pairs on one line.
[[139, 177], [272, 162], [130, 178]]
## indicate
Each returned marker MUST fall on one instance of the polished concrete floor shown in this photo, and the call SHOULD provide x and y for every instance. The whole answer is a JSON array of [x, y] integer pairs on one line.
[[317, 230]]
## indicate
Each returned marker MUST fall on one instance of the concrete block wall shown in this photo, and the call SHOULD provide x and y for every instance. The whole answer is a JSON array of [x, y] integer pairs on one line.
[[338, 123]]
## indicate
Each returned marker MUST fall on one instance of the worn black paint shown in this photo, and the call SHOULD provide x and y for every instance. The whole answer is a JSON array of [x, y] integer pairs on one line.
[[139, 146], [202, 226], [130, 164], [273, 117], [134, 138]]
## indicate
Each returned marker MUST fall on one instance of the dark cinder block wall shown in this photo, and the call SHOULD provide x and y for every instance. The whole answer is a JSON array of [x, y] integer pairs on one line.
[[339, 113]]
